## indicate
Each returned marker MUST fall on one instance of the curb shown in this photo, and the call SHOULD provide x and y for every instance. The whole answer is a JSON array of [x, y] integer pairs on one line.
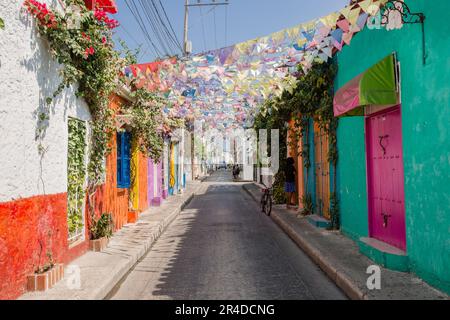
[[341, 280], [106, 285], [108, 289]]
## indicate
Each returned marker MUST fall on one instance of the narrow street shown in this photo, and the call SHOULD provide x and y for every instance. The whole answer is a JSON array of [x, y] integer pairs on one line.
[[222, 247], [140, 136]]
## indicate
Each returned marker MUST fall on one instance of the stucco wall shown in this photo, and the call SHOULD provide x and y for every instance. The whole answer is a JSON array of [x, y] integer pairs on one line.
[[426, 142], [33, 192], [28, 75], [109, 198]]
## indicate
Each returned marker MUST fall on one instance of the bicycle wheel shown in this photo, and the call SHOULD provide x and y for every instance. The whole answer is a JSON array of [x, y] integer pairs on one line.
[[268, 208], [263, 202]]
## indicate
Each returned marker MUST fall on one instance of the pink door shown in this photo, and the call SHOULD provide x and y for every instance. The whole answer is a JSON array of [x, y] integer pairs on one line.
[[385, 178]]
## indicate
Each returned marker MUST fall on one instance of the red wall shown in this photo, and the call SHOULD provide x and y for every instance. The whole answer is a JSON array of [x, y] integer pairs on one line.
[[24, 224]]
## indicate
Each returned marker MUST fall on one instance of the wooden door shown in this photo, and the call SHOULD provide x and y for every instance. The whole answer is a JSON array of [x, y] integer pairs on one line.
[[385, 177], [322, 172]]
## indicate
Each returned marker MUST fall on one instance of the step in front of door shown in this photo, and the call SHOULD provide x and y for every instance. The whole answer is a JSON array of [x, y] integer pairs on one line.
[[318, 221], [384, 254]]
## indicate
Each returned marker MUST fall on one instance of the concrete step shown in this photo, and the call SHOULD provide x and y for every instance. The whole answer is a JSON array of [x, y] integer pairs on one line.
[[318, 221], [384, 254]]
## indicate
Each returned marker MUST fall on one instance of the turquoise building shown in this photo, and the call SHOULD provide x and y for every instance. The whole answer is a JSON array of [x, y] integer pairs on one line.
[[394, 158]]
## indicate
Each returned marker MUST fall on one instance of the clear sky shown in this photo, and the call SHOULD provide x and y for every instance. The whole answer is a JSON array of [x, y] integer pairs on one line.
[[241, 20]]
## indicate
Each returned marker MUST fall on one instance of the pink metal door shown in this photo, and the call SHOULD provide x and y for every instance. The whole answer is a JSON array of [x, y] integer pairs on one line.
[[385, 178]]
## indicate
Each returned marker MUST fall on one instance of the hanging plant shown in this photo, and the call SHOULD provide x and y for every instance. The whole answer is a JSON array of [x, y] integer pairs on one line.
[[310, 98], [81, 41], [76, 175], [145, 114]]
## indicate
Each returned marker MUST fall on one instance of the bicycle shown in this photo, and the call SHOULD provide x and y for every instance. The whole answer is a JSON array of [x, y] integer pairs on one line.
[[266, 201]]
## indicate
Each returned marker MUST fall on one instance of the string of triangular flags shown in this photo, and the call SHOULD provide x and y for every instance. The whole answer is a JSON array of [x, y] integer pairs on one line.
[[224, 87]]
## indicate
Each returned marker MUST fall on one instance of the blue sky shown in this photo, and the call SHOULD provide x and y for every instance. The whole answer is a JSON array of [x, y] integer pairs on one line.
[[241, 20]]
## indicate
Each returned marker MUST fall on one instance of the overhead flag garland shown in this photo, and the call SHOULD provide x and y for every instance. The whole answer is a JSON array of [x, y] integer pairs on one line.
[[224, 87]]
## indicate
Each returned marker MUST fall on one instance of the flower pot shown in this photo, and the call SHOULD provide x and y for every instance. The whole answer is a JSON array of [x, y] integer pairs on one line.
[[46, 280], [98, 245], [133, 216]]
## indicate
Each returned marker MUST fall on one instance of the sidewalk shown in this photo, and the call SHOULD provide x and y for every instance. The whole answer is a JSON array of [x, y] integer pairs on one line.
[[339, 257], [101, 271]]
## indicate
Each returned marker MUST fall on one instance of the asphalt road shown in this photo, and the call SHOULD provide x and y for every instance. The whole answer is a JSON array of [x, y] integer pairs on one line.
[[222, 247]]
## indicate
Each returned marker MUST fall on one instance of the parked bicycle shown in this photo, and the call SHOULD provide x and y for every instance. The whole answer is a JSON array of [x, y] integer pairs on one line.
[[266, 200]]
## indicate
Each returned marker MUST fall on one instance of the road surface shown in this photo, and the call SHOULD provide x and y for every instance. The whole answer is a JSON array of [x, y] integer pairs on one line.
[[222, 247]]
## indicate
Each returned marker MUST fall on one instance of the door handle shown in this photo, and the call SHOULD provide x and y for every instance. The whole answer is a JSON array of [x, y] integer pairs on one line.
[[385, 219], [381, 143]]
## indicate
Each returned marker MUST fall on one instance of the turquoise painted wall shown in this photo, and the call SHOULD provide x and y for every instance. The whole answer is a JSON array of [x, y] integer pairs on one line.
[[426, 141], [351, 176]]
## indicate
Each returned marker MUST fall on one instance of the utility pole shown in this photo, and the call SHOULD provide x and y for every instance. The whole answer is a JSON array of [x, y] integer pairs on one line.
[[186, 26], [187, 47]]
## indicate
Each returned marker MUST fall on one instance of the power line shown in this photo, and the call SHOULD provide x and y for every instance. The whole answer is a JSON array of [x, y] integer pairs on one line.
[[170, 25], [149, 16], [135, 12], [215, 28], [155, 24]]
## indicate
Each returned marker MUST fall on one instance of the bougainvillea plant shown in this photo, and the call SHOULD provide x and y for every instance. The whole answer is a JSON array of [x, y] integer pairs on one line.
[[81, 41]]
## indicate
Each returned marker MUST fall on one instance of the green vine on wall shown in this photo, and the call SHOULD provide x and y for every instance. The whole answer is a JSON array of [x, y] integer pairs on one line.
[[81, 40], [310, 99], [76, 175]]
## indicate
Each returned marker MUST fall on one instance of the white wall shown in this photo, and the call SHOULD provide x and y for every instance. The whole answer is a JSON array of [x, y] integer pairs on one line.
[[27, 76]]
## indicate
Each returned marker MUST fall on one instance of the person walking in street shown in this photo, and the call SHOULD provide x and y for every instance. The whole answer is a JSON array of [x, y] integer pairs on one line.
[[289, 186], [236, 171]]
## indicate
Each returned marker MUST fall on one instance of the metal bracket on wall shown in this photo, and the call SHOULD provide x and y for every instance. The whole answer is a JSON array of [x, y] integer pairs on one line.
[[407, 18]]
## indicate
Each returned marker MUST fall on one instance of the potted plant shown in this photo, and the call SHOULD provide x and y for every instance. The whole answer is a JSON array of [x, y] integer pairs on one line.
[[47, 275], [100, 232], [133, 216]]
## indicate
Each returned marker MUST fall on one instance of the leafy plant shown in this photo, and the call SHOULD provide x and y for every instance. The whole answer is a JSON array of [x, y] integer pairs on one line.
[[307, 204], [83, 44], [76, 175], [42, 268], [2, 24], [279, 196], [102, 227], [309, 99]]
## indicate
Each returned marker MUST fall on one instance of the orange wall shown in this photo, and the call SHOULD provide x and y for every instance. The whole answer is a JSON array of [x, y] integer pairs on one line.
[[109, 198], [294, 150]]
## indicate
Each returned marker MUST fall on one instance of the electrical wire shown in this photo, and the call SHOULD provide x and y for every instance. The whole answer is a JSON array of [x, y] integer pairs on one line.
[[156, 32], [171, 27], [135, 12], [155, 24], [169, 36], [215, 28]]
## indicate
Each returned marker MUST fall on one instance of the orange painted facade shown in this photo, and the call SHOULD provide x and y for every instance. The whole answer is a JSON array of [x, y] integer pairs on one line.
[[322, 171], [114, 200]]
